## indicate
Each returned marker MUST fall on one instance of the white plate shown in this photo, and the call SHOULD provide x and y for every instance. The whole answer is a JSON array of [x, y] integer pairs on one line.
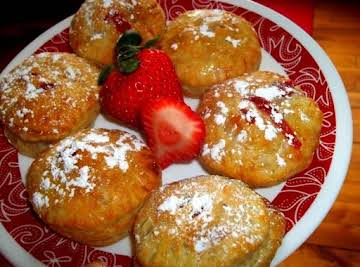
[[14, 245]]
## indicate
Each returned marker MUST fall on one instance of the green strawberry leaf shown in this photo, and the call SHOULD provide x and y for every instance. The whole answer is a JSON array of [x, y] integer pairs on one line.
[[151, 42], [128, 38], [127, 51], [129, 65], [104, 74]]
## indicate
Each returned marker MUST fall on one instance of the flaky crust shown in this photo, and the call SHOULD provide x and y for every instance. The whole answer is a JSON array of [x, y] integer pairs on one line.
[[243, 142], [264, 255], [48, 97], [93, 32], [210, 46], [89, 186], [205, 221]]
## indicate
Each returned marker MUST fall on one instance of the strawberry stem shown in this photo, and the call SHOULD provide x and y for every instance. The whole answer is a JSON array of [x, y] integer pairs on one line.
[[151, 42]]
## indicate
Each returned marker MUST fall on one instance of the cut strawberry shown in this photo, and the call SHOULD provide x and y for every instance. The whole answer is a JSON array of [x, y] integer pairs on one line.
[[173, 131]]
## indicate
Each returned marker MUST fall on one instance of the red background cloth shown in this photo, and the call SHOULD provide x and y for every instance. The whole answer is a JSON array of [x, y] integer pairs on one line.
[[300, 12]]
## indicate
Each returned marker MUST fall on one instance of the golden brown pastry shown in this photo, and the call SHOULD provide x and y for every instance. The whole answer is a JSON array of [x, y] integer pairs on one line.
[[89, 186], [259, 128], [206, 221], [48, 97], [210, 46], [98, 24]]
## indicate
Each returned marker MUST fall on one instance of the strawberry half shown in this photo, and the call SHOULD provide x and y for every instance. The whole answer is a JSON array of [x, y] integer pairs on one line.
[[173, 131]]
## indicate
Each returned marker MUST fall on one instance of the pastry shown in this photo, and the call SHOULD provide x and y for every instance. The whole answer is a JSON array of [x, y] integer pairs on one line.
[[47, 97], [98, 24], [90, 186], [210, 46], [207, 221], [260, 128]]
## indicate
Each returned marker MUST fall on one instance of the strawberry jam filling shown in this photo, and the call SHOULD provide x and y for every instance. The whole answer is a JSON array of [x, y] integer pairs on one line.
[[46, 86], [118, 20], [284, 86], [265, 106]]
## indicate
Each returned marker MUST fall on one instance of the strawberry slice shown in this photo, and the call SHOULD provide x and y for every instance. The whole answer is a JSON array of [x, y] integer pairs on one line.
[[173, 131]]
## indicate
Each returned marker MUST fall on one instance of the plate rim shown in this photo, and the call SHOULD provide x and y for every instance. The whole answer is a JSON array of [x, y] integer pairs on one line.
[[342, 150]]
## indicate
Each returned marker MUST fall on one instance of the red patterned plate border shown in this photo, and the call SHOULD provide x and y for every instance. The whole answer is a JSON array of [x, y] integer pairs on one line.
[[294, 199]]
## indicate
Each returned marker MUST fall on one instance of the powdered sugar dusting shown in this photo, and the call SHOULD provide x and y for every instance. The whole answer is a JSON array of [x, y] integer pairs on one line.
[[70, 72], [97, 36], [258, 111], [288, 111], [251, 89], [202, 244], [83, 180], [171, 204], [174, 46], [277, 116], [207, 215], [118, 157], [216, 152], [252, 115], [269, 93], [270, 132], [242, 87], [216, 15], [65, 171], [41, 77], [234, 42], [45, 184], [22, 112], [199, 210], [204, 30], [221, 117], [290, 138], [40, 200], [304, 117], [107, 3], [201, 207], [96, 138], [223, 109], [31, 91], [280, 161], [242, 136]]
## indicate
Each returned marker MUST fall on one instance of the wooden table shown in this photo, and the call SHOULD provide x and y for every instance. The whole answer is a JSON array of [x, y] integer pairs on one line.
[[337, 241]]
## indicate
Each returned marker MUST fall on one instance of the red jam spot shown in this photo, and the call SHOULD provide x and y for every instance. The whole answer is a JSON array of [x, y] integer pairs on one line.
[[286, 87], [120, 23], [265, 106], [287, 83], [245, 110], [46, 86]]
